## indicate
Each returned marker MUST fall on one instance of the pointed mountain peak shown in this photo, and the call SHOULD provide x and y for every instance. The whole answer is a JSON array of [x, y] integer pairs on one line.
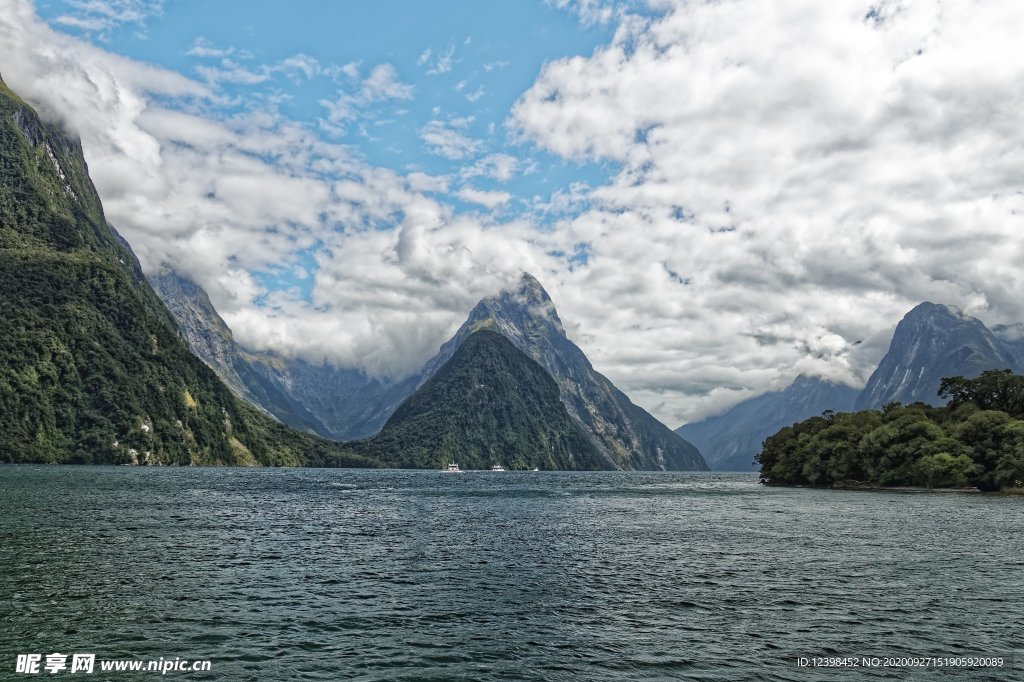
[[531, 286], [626, 436], [931, 342], [527, 291], [937, 316], [518, 309], [928, 309]]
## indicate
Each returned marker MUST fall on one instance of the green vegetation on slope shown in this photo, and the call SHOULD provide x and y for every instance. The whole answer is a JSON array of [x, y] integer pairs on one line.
[[489, 404], [92, 369], [976, 440]]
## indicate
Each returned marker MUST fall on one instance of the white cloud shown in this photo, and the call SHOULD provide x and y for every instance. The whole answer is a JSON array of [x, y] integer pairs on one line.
[[225, 198], [500, 167], [594, 11], [351, 69], [204, 48], [794, 176], [443, 63], [99, 17], [230, 70], [445, 138], [489, 199], [381, 85]]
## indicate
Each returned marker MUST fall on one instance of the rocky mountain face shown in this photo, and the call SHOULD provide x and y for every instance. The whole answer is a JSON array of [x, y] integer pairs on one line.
[[932, 342], [347, 404], [488, 404], [626, 435], [332, 402], [1011, 340], [92, 368], [729, 441]]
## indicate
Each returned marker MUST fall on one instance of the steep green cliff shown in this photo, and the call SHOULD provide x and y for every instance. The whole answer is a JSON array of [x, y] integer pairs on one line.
[[489, 404], [92, 368]]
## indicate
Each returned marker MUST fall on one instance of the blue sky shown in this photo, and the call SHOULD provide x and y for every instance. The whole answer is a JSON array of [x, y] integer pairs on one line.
[[465, 65]]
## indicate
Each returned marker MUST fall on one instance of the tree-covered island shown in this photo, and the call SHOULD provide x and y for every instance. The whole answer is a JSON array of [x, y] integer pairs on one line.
[[976, 439]]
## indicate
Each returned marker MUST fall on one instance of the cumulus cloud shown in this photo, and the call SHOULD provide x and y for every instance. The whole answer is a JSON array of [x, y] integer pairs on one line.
[[486, 198], [227, 199], [447, 139], [500, 167], [794, 177]]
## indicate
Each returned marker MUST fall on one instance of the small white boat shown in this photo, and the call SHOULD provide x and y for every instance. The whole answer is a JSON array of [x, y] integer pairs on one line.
[[498, 467], [453, 468], [536, 469]]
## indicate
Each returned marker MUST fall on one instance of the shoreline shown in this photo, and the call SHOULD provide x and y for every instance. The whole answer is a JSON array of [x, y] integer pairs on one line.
[[887, 488]]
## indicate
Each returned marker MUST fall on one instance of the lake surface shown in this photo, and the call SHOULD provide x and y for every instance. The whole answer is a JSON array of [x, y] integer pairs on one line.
[[387, 575]]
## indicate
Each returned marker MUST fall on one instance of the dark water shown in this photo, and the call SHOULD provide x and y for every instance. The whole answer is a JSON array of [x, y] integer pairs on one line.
[[328, 575]]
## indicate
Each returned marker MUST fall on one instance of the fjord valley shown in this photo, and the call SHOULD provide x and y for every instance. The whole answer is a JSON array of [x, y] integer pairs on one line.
[[97, 370], [344, 403]]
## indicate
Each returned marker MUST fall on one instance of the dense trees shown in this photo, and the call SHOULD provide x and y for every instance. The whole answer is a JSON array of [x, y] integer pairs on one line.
[[977, 440], [489, 404], [92, 369]]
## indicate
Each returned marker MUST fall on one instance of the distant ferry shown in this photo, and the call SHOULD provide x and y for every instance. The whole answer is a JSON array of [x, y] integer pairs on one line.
[[497, 467], [453, 468]]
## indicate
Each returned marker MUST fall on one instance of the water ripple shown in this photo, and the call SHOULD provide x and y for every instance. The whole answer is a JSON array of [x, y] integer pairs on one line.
[[383, 575]]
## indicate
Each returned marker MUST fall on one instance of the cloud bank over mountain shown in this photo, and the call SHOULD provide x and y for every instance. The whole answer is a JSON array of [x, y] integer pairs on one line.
[[786, 180]]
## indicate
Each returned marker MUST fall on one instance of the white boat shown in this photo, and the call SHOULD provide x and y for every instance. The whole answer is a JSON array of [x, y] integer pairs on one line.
[[536, 469], [498, 467], [453, 468]]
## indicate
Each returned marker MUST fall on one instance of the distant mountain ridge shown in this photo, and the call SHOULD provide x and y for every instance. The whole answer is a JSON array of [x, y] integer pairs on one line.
[[335, 403], [349, 404], [931, 342], [729, 441]]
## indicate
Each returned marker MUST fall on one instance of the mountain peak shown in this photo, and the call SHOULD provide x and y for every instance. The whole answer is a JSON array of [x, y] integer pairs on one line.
[[527, 291], [931, 342], [524, 307], [531, 286], [927, 309], [626, 436]]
